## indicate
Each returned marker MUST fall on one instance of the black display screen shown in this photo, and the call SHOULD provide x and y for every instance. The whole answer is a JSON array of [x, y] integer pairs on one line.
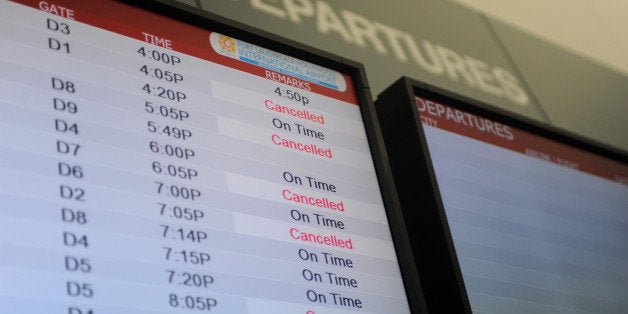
[[537, 218]]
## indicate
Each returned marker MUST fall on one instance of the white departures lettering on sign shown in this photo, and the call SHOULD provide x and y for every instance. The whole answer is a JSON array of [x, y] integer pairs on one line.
[[365, 33], [428, 107]]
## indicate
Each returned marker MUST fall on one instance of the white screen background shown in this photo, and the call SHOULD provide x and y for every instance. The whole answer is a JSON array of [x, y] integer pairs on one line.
[[532, 236]]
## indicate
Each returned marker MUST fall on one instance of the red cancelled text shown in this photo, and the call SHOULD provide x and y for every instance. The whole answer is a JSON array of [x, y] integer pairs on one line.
[[302, 114], [330, 240], [322, 202]]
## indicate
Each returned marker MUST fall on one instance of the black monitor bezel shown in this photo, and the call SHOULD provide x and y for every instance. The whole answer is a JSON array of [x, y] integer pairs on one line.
[[415, 180], [207, 20]]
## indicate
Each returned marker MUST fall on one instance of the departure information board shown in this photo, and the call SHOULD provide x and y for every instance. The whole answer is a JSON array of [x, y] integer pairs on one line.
[[152, 166], [538, 226], [538, 219]]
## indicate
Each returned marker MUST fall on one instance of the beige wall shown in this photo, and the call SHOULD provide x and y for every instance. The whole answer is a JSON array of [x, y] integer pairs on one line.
[[597, 29]]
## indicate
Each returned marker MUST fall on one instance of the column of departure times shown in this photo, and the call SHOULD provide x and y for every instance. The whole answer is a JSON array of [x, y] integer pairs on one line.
[[169, 138]]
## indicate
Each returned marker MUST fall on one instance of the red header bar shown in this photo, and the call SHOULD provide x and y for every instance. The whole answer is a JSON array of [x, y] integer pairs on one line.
[[171, 34], [476, 127]]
